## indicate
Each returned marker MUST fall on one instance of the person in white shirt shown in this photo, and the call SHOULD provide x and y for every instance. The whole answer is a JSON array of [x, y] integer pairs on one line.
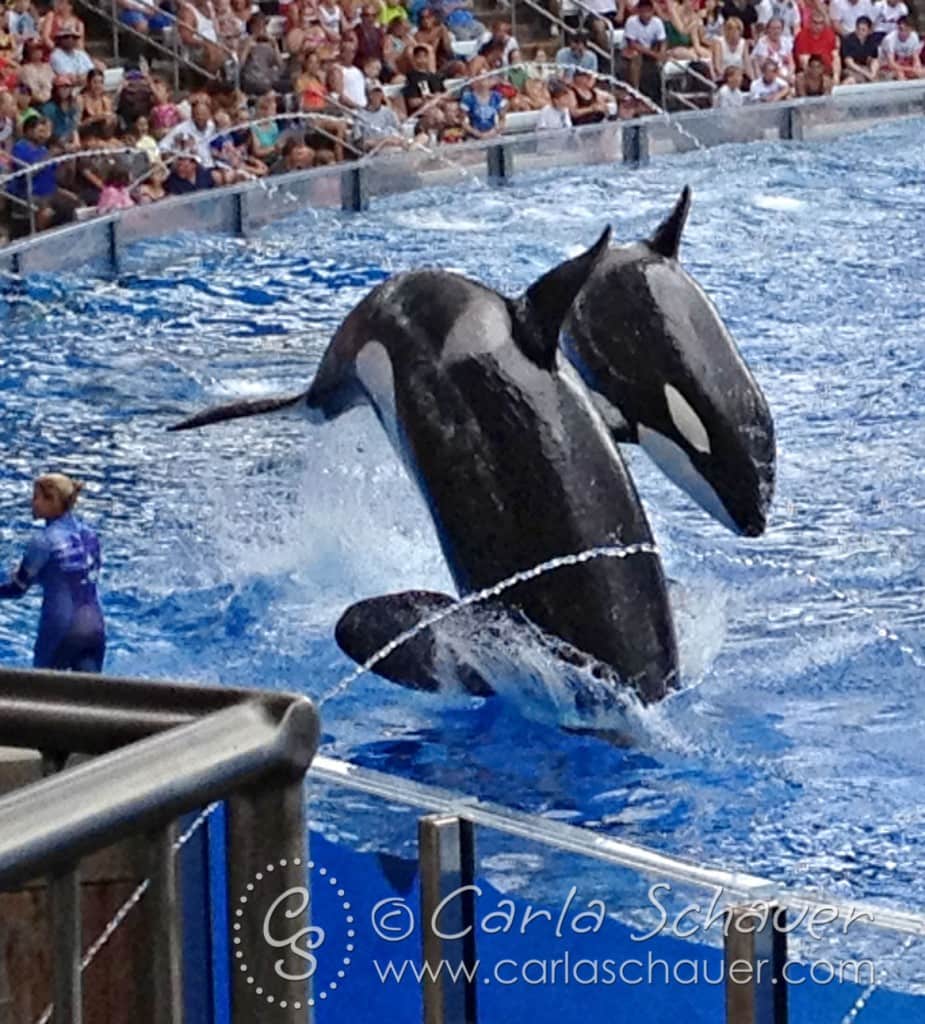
[[730, 92], [556, 113], [789, 13], [769, 88], [196, 133], [888, 12], [644, 43], [66, 59], [775, 45], [500, 30], [899, 53], [845, 13]]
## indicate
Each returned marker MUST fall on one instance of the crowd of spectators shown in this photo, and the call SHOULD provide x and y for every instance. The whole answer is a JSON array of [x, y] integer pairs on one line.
[[326, 80]]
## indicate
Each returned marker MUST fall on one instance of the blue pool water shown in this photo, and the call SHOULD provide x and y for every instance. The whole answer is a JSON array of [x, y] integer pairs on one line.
[[795, 749]]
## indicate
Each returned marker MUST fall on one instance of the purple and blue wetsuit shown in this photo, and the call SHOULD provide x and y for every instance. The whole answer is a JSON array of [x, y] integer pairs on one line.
[[64, 558]]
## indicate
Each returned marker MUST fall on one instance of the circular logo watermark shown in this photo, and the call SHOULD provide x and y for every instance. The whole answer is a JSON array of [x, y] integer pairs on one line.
[[273, 913]]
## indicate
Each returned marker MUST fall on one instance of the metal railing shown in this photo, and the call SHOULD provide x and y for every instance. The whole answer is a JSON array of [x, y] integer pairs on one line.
[[172, 49], [242, 208], [758, 918], [162, 749]]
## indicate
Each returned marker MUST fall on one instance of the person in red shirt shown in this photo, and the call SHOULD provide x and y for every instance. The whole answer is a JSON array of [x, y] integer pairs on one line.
[[818, 39]]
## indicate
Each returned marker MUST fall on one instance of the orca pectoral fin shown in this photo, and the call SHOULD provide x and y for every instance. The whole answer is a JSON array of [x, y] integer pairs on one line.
[[419, 663], [238, 410]]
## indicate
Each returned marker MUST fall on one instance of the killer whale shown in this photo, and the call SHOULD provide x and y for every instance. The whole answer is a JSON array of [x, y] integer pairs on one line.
[[513, 447], [515, 464], [667, 374]]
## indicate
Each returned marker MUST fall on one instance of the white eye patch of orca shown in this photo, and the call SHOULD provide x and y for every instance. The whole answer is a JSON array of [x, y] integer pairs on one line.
[[675, 463], [482, 326], [688, 423]]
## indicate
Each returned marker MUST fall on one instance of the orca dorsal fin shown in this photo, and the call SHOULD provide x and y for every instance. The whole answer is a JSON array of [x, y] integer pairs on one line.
[[538, 314], [667, 238]]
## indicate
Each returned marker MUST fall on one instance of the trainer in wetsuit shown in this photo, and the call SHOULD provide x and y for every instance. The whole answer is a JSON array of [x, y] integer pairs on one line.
[[64, 558]]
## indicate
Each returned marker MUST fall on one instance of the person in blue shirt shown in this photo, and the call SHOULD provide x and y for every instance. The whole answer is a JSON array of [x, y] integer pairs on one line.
[[483, 105], [64, 559], [53, 205]]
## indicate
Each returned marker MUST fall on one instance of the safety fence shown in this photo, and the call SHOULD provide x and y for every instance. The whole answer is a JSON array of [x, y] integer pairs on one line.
[[103, 244], [409, 902]]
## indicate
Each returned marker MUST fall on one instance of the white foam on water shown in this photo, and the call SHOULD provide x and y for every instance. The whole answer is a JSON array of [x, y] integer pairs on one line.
[[783, 204]]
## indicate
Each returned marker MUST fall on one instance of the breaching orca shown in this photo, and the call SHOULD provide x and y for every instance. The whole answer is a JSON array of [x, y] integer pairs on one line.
[[514, 462], [666, 374]]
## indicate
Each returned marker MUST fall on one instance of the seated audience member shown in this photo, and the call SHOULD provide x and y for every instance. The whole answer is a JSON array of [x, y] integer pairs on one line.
[[8, 126], [265, 142], [143, 17], [788, 13], [230, 157], [63, 113], [814, 80], [231, 30], [500, 34], [52, 205], [310, 85], [377, 126], [370, 35], [391, 12], [731, 51], [135, 97], [845, 13], [818, 40], [36, 72], [556, 115], [684, 32], [165, 114], [730, 92], [152, 188], [769, 87], [261, 62], [115, 193], [900, 53], [860, 54], [21, 22], [604, 15], [397, 46], [199, 33], [59, 17], [66, 59], [577, 54], [713, 20], [435, 36], [96, 106], [421, 83], [643, 48], [345, 79], [331, 20], [745, 11], [143, 139], [777, 46], [589, 107], [295, 155], [188, 175], [886, 14], [199, 128], [483, 105]]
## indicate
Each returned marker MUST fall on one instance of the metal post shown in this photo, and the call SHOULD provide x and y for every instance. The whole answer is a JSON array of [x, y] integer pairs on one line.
[[791, 126], [755, 957], [500, 165], [635, 145], [162, 985], [65, 923], [446, 846], [268, 903], [175, 40], [514, 18], [29, 201], [114, 19], [354, 194]]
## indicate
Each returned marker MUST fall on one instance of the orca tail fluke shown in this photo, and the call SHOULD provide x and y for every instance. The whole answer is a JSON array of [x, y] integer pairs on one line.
[[368, 626], [238, 410]]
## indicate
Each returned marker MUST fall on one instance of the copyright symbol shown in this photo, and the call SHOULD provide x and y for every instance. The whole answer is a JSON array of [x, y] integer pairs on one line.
[[392, 919]]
